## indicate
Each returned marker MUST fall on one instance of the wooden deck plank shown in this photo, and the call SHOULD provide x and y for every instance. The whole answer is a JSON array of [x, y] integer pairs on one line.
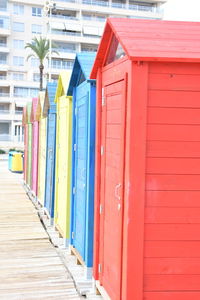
[[30, 267]]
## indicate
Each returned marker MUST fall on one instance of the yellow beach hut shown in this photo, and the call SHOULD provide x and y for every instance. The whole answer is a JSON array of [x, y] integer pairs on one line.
[[41, 149], [63, 157]]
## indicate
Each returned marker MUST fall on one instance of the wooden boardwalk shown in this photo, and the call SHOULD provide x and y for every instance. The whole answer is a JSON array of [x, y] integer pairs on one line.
[[30, 267]]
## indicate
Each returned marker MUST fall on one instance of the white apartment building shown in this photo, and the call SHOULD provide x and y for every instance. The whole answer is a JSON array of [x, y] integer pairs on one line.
[[75, 25]]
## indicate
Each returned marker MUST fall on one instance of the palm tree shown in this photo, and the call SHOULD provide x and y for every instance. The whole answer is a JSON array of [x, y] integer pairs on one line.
[[40, 47]]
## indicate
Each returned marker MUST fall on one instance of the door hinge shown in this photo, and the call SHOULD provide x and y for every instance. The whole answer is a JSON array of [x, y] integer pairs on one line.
[[72, 235], [99, 268], [74, 190], [74, 147], [102, 150], [101, 209], [103, 99]]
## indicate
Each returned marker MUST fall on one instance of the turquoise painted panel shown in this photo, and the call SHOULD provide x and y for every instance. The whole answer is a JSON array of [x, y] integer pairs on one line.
[[50, 150]]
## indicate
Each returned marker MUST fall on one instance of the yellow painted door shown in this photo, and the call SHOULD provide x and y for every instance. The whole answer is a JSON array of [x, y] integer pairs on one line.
[[63, 165]]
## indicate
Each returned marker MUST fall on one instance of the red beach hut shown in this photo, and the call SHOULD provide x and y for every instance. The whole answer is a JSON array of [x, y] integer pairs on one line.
[[147, 198]]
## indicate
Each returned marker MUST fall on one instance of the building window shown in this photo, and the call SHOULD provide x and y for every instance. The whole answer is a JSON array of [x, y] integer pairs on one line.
[[18, 44], [62, 64], [18, 9], [4, 22], [36, 12], [25, 92], [18, 27], [36, 77], [34, 62], [3, 58], [4, 128], [37, 29], [18, 76], [89, 47], [3, 41], [65, 47], [18, 61]]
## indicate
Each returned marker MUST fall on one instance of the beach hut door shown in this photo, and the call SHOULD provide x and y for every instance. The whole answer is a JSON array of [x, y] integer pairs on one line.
[[80, 171], [112, 170]]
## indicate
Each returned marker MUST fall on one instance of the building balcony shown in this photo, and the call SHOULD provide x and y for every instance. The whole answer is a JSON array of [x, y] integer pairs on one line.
[[4, 81], [74, 37], [5, 137], [4, 32], [4, 25], [106, 7], [5, 98], [18, 116], [5, 115], [64, 54], [4, 65], [4, 48]]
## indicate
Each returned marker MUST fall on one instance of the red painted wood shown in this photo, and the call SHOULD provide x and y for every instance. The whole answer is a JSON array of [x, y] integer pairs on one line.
[[171, 295], [164, 98], [173, 199], [174, 68], [134, 221], [173, 165], [173, 182], [174, 132], [161, 167], [152, 40], [173, 265], [181, 82], [172, 232], [163, 115], [168, 215], [173, 249], [172, 282], [112, 166], [173, 149]]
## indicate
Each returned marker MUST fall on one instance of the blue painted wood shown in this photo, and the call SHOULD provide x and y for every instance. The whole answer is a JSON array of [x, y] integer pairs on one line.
[[51, 150], [83, 153]]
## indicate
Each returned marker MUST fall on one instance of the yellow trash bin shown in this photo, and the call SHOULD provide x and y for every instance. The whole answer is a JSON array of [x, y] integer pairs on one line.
[[17, 162]]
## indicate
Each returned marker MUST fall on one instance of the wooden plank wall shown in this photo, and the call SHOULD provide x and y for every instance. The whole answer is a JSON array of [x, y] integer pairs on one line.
[[172, 212]]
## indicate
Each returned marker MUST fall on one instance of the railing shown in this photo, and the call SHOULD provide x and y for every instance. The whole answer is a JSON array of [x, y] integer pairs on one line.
[[66, 32], [4, 111], [95, 19], [138, 7], [66, 50], [18, 112], [65, 17], [3, 44], [4, 95], [97, 3], [67, 66], [5, 137], [3, 62], [3, 8]]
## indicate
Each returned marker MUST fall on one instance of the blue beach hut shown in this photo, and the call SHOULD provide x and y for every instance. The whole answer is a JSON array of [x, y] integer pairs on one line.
[[83, 91], [49, 111]]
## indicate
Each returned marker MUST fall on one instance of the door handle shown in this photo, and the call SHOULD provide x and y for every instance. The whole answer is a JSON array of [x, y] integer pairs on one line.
[[117, 191]]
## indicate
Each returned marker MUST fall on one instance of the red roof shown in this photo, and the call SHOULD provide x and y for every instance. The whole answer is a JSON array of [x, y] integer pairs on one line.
[[152, 40]]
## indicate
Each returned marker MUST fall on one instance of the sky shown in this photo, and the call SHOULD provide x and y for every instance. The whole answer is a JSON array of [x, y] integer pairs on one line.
[[182, 10]]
